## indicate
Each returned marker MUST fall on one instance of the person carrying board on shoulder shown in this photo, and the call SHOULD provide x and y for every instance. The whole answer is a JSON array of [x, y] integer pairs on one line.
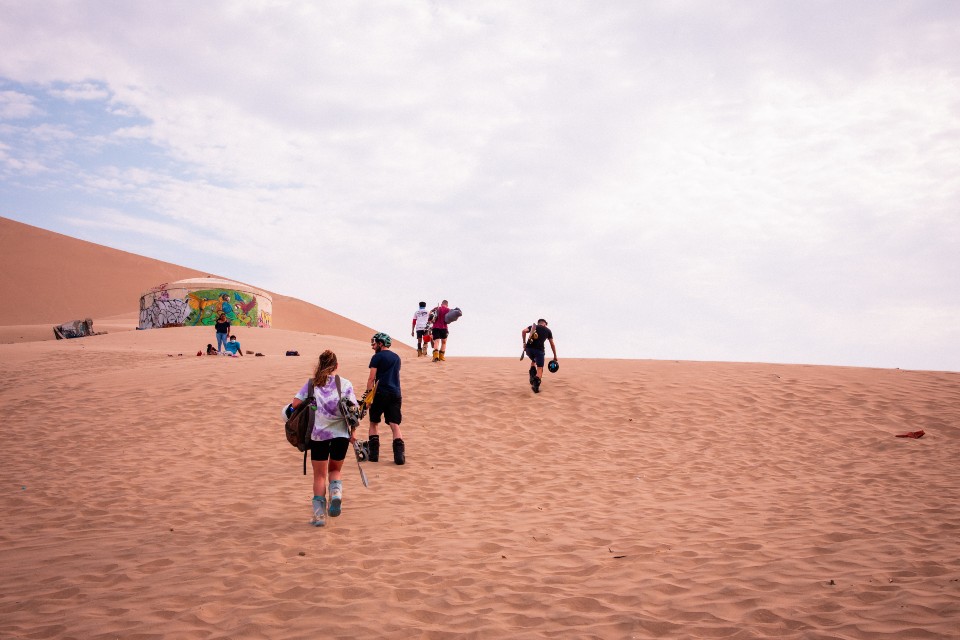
[[534, 338], [440, 331]]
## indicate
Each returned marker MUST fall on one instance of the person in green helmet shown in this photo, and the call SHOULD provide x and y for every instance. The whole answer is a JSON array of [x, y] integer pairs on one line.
[[385, 371]]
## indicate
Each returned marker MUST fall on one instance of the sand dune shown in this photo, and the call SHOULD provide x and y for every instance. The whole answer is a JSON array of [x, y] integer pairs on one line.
[[55, 278], [158, 498], [150, 493]]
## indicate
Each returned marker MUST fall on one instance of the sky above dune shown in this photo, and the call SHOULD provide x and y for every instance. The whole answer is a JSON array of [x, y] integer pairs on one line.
[[690, 180]]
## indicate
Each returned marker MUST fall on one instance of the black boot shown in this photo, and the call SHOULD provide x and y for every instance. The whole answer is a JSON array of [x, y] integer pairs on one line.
[[398, 451], [374, 444], [533, 373]]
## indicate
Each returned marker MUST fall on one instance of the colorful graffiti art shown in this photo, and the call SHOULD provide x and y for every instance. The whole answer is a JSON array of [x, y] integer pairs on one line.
[[183, 303], [239, 307]]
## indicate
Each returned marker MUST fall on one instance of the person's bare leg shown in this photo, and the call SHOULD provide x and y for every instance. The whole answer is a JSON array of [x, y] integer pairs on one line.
[[319, 504], [336, 487]]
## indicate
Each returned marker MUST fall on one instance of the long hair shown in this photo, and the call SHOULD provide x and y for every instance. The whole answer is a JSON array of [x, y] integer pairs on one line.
[[325, 366]]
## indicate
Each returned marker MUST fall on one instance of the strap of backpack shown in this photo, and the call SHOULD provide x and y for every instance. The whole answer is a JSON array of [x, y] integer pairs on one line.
[[340, 397], [309, 398]]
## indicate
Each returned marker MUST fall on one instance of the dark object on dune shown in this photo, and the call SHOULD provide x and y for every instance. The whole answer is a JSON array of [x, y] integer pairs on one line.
[[74, 329], [912, 434]]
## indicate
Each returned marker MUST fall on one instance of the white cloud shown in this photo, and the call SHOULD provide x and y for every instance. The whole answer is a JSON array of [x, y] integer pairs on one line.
[[15, 105], [80, 92], [720, 176]]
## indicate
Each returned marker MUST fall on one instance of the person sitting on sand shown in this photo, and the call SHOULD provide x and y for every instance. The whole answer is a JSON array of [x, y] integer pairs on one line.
[[330, 438], [534, 348], [233, 346], [211, 350]]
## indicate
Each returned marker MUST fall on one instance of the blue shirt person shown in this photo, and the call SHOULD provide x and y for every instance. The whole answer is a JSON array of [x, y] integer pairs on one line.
[[233, 347]]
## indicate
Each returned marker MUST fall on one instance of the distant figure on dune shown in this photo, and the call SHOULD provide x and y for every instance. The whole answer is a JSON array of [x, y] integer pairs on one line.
[[440, 331], [421, 320], [534, 338], [387, 399], [330, 438], [222, 328]]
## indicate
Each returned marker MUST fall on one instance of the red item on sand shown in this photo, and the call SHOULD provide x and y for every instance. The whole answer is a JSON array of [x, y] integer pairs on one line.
[[911, 434]]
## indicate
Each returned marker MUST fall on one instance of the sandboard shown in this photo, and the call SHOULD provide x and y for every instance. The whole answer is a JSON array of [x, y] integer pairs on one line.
[[363, 476], [367, 399], [530, 338]]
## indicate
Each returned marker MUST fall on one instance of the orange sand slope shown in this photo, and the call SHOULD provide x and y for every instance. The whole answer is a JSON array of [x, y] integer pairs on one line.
[[147, 494], [54, 278]]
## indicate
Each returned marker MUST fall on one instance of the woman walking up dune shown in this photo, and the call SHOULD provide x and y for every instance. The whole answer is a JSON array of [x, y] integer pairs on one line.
[[330, 438]]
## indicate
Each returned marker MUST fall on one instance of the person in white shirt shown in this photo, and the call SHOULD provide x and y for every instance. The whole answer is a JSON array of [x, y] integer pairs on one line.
[[420, 325]]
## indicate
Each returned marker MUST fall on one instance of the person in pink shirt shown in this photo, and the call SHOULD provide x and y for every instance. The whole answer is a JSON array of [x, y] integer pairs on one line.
[[440, 331]]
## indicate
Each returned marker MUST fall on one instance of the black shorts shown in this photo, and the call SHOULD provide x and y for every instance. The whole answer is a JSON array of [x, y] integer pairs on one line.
[[440, 334], [335, 449], [386, 405], [536, 356], [420, 333]]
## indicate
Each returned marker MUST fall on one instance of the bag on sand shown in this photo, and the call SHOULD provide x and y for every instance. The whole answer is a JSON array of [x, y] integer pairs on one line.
[[299, 425]]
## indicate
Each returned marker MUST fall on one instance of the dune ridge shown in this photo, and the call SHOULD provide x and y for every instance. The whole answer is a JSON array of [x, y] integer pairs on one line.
[[55, 278]]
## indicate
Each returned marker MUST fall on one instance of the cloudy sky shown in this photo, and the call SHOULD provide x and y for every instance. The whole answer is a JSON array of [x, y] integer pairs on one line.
[[693, 180]]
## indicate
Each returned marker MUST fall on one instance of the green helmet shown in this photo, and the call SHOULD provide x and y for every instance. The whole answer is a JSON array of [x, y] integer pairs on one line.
[[382, 338]]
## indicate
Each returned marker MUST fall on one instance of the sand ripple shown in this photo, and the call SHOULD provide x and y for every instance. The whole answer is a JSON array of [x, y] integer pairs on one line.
[[154, 496]]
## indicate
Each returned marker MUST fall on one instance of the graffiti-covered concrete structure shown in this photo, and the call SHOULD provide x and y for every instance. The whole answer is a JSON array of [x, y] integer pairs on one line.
[[198, 301]]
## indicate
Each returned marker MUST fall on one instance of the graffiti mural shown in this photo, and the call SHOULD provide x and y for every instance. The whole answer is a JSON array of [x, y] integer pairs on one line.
[[164, 313], [190, 303], [239, 307], [264, 319]]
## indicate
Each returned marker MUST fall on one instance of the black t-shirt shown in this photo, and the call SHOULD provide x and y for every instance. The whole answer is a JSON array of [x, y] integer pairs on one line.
[[223, 327], [387, 364], [543, 334]]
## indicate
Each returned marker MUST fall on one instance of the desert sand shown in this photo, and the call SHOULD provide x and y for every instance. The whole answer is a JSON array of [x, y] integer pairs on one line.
[[150, 493]]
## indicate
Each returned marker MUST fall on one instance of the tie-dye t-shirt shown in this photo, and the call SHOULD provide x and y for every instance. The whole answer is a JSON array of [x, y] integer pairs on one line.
[[329, 424]]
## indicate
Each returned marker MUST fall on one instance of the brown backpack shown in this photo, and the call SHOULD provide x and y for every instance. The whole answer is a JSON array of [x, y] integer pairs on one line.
[[299, 426]]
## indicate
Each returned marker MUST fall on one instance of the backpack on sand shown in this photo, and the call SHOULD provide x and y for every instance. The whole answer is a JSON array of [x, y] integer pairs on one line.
[[299, 425]]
